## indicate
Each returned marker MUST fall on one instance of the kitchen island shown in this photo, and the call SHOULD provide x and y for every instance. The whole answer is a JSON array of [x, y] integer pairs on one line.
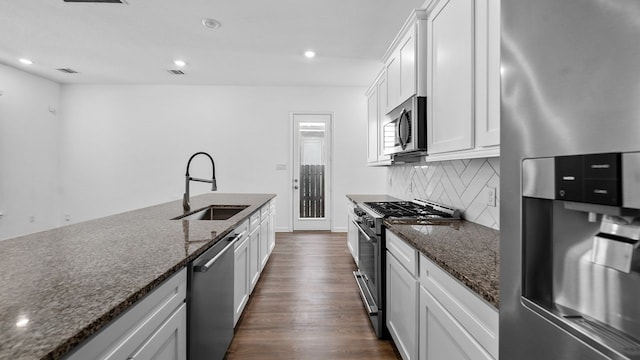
[[61, 286]]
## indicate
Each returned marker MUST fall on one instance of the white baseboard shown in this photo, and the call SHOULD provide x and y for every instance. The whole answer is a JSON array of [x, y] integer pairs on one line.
[[339, 229], [283, 229]]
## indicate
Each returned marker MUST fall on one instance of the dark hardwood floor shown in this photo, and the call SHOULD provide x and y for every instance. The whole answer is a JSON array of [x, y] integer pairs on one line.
[[306, 305]]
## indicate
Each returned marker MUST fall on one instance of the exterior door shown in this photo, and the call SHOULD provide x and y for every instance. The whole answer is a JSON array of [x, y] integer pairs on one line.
[[311, 181]]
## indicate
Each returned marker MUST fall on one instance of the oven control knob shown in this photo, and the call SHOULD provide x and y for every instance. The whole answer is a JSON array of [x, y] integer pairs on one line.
[[370, 223], [359, 212]]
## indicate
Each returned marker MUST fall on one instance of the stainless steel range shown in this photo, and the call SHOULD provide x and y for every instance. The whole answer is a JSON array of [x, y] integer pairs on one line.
[[370, 217]]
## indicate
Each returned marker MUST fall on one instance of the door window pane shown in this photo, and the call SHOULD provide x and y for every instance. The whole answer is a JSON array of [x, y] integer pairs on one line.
[[312, 169]]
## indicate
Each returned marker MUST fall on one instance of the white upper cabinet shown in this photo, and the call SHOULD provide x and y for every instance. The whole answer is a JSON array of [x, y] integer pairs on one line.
[[372, 125], [450, 53], [381, 85], [376, 113], [487, 73], [407, 53], [404, 65], [463, 79], [392, 70], [450, 73]]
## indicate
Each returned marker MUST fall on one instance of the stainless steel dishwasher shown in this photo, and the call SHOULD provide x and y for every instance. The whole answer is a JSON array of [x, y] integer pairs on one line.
[[210, 300]]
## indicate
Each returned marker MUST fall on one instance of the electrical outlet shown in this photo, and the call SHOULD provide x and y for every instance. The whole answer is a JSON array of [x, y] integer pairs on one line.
[[67, 217], [491, 196], [32, 219]]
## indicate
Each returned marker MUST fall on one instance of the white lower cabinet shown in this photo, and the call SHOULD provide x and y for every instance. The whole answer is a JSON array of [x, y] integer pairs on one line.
[[241, 280], [264, 241], [153, 328], [254, 258], [272, 226], [352, 232], [168, 342], [402, 296], [442, 337], [430, 314]]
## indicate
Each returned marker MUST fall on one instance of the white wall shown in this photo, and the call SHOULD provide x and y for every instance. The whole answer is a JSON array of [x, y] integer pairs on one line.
[[126, 147], [28, 153]]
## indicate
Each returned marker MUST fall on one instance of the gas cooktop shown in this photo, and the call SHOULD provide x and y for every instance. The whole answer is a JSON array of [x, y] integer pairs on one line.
[[418, 209]]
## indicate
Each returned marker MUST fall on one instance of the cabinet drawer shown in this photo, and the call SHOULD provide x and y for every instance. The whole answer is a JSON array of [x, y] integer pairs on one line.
[[405, 253], [132, 328], [477, 316], [254, 221], [264, 211], [243, 230]]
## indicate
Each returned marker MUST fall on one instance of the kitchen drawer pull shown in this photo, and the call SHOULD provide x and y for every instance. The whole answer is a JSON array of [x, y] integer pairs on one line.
[[205, 267]]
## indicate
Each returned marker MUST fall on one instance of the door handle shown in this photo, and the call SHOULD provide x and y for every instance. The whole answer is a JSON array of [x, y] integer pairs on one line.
[[295, 187], [205, 267]]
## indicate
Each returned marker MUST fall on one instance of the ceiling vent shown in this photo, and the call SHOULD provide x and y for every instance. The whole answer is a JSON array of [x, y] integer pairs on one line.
[[176, 72], [67, 71], [99, 1]]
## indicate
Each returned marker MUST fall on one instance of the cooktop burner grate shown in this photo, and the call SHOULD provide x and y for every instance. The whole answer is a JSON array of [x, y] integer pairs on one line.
[[410, 209]]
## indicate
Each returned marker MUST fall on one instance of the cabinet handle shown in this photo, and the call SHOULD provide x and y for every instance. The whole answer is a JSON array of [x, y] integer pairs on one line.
[[205, 267]]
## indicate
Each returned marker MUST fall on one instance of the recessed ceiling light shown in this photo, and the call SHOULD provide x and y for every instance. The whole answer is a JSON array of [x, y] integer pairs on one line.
[[211, 23], [180, 63], [26, 61], [310, 54]]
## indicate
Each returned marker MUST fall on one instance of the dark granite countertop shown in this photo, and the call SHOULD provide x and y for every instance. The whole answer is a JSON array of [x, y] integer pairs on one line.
[[468, 251], [71, 281]]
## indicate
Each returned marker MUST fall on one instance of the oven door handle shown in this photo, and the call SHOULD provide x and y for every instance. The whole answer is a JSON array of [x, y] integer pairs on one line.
[[361, 230]]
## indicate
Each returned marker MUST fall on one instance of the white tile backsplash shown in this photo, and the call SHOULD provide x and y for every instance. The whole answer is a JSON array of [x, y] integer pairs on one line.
[[459, 183]]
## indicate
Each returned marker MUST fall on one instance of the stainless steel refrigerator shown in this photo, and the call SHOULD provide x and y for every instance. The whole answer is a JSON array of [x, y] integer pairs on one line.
[[570, 179]]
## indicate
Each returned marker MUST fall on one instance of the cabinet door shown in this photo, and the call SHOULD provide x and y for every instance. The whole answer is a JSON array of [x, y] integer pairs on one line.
[[402, 310], [487, 72], [407, 53], [352, 235], [254, 258], [450, 76], [241, 280], [131, 330], [442, 337], [272, 228], [169, 342], [372, 125], [264, 242], [381, 85], [392, 70]]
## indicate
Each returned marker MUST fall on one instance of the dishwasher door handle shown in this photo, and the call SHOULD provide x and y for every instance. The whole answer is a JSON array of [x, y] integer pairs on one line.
[[209, 264]]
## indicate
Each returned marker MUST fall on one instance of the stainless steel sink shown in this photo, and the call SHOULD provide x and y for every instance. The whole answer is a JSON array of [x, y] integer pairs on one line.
[[213, 212]]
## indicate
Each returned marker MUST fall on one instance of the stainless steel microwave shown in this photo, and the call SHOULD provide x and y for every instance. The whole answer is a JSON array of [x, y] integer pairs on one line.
[[406, 128]]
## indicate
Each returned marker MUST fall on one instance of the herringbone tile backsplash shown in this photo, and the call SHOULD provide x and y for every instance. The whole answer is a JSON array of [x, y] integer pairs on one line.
[[459, 183]]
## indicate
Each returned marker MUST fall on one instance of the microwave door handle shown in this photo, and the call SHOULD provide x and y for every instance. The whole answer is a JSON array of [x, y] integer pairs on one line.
[[402, 116], [398, 130]]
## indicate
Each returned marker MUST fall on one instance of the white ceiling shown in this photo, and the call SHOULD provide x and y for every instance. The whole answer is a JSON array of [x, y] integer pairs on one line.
[[261, 42]]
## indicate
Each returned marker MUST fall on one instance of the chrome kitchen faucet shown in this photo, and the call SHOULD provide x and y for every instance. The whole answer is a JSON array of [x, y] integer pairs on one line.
[[185, 199]]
